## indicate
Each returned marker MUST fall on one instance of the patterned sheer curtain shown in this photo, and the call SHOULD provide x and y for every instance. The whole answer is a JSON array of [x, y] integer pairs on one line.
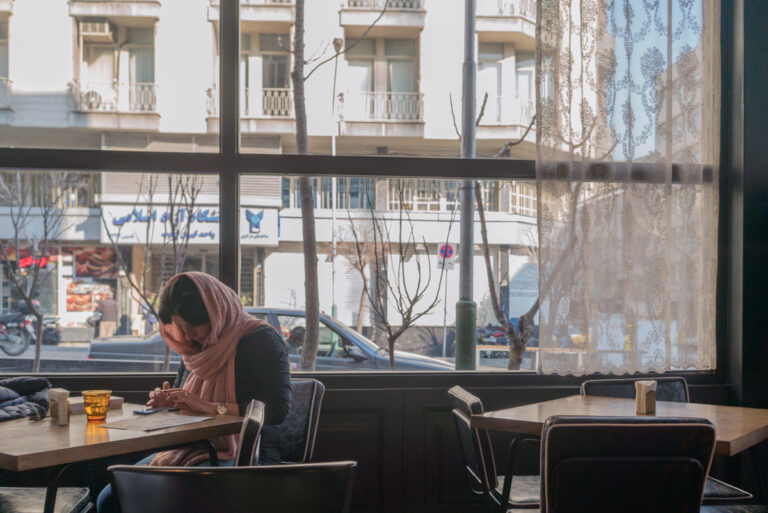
[[628, 100]]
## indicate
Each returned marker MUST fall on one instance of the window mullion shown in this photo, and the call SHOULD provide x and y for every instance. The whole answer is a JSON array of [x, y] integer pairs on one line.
[[229, 140]]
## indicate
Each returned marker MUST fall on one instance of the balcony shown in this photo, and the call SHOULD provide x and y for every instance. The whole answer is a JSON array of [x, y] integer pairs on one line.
[[505, 117], [379, 4], [508, 21], [255, 13], [382, 113], [117, 104], [401, 14], [115, 8], [5, 93], [262, 110]]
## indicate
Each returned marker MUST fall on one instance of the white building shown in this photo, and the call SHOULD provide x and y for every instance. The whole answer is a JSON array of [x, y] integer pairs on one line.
[[143, 75]]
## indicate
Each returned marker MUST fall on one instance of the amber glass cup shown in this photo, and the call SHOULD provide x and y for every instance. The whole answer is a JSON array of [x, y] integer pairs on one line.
[[96, 403]]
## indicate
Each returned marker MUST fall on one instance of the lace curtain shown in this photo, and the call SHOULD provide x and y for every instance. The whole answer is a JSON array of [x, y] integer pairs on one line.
[[628, 102]]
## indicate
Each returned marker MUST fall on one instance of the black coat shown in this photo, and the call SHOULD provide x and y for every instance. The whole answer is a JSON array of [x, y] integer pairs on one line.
[[23, 397]]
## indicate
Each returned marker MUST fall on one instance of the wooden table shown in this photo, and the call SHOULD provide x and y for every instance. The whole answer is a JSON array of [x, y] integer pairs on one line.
[[737, 428], [27, 445]]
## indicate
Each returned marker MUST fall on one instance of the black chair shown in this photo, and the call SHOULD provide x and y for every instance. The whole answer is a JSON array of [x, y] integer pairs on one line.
[[609, 464], [32, 500], [503, 492], [672, 389], [668, 388], [299, 430], [250, 433], [316, 487]]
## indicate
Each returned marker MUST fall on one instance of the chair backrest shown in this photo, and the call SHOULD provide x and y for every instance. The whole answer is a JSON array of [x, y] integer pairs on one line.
[[627, 464], [316, 487], [669, 388], [250, 434], [475, 444], [299, 430]]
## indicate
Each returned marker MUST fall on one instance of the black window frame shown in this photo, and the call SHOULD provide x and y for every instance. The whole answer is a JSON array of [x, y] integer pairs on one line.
[[229, 164]]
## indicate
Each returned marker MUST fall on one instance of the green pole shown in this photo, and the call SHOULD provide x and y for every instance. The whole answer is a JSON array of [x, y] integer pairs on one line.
[[466, 310], [466, 334]]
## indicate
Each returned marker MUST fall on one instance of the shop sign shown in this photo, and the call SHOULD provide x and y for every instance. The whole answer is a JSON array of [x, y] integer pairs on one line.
[[126, 224], [28, 261], [258, 226]]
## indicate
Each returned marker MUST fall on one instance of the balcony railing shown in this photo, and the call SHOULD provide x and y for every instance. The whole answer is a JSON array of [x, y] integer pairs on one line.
[[259, 2], [506, 110], [276, 102], [115, 97], [379, 4], [377, 106], [256, 102], [524, 8], [5, 92]]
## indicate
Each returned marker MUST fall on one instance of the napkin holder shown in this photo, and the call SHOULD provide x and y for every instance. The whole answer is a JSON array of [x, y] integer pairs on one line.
[[58, 405], [645, 397]]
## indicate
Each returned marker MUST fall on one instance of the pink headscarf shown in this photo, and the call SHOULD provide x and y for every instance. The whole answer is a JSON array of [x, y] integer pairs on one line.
[[211, 366]]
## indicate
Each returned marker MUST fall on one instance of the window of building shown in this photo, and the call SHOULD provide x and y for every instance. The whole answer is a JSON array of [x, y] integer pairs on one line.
[[489, 63], [118, 68], [351, 192], [382, 81]]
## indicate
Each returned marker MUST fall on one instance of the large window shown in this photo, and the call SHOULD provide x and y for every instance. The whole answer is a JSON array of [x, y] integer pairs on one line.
[[95, 234], [182, 78]]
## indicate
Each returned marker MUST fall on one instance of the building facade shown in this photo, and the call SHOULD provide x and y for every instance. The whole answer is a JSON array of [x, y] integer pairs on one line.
[[143, 75]]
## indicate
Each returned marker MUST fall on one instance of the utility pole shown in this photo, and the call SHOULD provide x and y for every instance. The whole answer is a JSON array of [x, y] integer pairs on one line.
[[466, 309]]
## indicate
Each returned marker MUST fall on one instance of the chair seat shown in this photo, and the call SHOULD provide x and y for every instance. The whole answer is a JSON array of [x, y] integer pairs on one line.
[[15, 499], [526, 490], [716, 490]]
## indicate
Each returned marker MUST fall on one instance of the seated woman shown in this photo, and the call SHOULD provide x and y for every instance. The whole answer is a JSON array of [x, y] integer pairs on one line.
[[228, 358]]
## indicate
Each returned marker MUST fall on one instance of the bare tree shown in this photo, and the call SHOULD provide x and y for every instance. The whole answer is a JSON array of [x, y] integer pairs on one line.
[[173, 219], [394, 244], [35, 208], [309, 239], [359, 257]]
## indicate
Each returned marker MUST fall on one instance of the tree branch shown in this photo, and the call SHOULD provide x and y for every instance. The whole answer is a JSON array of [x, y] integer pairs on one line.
[[350, 46]]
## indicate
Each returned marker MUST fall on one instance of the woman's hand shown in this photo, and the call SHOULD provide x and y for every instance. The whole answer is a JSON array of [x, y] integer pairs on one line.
[[161, 396], [188, 401]]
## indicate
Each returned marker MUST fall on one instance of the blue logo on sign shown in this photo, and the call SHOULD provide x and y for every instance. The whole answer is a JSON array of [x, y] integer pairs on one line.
[[254, 220]]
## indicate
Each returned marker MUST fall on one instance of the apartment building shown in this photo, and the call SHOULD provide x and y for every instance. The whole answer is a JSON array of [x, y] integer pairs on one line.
[[143, 75]]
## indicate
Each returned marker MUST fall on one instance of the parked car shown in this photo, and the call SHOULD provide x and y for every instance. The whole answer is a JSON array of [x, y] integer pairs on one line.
[[339, 347]]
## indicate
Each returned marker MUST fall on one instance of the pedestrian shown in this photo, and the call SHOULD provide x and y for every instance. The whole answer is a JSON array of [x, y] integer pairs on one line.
[[107, 307]]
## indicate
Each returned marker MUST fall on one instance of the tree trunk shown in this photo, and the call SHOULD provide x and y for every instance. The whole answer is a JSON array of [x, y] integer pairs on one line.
[[311, 299], [391, 344], [517, 342], [38, 341], [361, 311]]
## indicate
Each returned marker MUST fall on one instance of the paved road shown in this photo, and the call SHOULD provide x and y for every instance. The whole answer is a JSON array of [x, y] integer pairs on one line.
[[77, 352], [64, 352]]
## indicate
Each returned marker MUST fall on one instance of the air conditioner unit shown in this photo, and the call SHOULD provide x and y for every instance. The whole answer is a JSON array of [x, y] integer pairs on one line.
[[97, 31]]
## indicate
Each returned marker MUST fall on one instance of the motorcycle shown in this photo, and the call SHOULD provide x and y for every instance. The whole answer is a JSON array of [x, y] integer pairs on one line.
[[16, 333], [51, 330]]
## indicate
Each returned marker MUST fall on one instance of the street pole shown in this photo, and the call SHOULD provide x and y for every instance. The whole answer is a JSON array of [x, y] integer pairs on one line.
[[445, 313], [466, 310]]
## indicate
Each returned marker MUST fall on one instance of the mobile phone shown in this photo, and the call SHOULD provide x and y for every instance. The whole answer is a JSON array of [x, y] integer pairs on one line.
[[150, 411]]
